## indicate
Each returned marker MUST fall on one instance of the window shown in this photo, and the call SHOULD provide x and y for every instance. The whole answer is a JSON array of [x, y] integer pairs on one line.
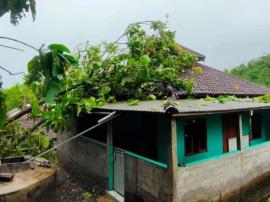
[[256, 126], [195, 136]]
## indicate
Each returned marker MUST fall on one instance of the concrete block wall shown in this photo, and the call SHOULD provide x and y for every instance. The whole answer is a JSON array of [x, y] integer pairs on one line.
[[145, 181], [224, 178], [84, 156]]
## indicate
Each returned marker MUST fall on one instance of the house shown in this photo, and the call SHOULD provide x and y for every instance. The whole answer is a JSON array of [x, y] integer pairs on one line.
[[184, 150]]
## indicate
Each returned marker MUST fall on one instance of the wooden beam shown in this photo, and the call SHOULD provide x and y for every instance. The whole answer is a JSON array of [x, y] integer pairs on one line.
[[172, 160]]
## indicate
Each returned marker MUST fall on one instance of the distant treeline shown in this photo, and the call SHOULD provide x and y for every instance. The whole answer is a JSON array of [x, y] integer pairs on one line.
[[257, 70]]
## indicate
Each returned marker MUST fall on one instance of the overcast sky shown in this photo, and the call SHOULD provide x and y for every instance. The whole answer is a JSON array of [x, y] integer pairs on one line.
[[228, 32]]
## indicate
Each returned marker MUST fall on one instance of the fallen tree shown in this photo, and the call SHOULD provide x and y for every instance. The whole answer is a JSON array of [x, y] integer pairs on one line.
[[144, 63]]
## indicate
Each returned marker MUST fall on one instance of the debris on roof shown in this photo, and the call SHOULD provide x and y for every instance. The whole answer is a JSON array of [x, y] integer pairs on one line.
[[179, 47], [188, 106]]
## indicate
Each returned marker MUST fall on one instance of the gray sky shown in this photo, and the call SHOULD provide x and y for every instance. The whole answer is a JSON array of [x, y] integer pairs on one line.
[[227, 32]]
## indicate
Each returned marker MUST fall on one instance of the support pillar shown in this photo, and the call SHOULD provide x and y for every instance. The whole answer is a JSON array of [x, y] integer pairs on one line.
[[110, 155], [241, 133], [172, 160]]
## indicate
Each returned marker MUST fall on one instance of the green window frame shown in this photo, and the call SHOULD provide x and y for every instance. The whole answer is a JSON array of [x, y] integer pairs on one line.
[[195, 135]]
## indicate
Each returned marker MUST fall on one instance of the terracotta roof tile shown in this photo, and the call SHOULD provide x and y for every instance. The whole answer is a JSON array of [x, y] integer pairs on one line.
[[214, 82]]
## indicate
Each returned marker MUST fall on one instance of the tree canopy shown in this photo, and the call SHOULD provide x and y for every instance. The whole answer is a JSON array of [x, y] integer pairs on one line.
[[143, 64], [17, 9], [257, 70]]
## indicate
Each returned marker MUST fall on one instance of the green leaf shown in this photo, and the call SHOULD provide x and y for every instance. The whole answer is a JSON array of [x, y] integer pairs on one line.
[[35, 106], [3, 112], [151, 97], [133, 102], [145, 60], [104, 91], [60, 48], [126, 80], [53, 89], [86, 195], [72, 60], [57, 68], [111, 99], [79, 109], [208, 98], [89, 103], [44, 141]]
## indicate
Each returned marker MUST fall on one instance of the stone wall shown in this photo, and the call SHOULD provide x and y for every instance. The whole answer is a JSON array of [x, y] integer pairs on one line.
[[83, 156], [145, 181], [227, 178]]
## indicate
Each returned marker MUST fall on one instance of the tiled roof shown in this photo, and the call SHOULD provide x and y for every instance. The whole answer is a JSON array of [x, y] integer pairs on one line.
[[180, 48], [214, 82], [188, 107]]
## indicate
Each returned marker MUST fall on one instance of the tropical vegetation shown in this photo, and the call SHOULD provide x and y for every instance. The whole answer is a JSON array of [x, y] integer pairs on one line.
[[143, 64], [257, 70], [19, 95]]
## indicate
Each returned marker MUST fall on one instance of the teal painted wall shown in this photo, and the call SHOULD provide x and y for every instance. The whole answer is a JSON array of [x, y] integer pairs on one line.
[[266, 124], [265, 127], [214, 140], [163, 131], [245, 123]]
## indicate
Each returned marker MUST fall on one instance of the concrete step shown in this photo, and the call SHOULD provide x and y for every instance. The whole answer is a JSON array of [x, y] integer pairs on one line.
[[116, 197]]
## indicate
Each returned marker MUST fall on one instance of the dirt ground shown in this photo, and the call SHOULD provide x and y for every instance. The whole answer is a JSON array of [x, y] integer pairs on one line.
[[75, 188]]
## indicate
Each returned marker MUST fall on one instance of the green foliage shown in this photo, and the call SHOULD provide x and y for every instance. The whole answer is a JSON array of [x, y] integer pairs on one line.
[[222, 98], [47, 74], [17, 145], [263, 99], [17, 9], [3, 109], [133, 102], [87, 195], [141, 65], [12, 140], [19, 95], [257, 70]]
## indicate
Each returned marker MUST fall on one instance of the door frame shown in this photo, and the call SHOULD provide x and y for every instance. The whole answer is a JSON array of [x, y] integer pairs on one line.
[[234, 118]]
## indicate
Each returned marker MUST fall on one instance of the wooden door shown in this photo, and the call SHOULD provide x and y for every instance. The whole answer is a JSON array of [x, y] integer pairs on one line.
[[230, 129]]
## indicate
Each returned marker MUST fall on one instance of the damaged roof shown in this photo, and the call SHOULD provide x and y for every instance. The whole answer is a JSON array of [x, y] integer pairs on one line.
[[188, 107], [214, 82]]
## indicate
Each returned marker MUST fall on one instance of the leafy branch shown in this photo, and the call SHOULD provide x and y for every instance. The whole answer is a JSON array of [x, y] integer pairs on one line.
[[143, 63]]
